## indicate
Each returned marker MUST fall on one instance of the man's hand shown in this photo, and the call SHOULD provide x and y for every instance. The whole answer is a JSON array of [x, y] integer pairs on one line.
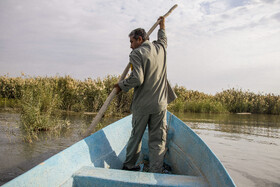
[[118, 88], [162, 22]]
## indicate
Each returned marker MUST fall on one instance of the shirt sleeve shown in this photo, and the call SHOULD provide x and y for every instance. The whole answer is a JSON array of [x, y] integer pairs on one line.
[[136, 77], [162, 37]]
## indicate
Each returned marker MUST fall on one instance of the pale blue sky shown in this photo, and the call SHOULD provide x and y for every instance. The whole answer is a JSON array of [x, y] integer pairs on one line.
[[212, 44]]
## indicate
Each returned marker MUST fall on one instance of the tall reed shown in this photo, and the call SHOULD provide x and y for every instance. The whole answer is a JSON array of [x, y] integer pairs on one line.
[[90, 94], [194, 101], [40, 109], [237, 100]]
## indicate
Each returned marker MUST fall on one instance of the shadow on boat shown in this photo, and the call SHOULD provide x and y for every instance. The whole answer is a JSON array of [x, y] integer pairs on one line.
[[102, 154]]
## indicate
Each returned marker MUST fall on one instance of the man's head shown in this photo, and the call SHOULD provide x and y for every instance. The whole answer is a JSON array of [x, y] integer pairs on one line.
[[137, 37]]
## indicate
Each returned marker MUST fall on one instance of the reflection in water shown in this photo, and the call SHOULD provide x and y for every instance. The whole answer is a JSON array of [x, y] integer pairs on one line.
[[253, 124]]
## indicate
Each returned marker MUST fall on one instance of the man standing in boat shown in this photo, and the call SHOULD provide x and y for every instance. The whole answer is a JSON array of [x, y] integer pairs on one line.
[[150, 98]]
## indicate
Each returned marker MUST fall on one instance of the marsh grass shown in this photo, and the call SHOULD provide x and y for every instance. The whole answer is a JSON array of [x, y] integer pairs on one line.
[[89, 95], [228, 101], [40, 110], [205, 106], [238, 100], [6, 103], [208, 105], [194, 101]]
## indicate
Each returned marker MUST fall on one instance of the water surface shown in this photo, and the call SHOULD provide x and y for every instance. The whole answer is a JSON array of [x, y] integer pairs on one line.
[[247, 145]]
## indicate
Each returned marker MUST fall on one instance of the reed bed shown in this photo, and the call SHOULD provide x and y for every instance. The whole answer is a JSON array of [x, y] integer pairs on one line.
[[228, 101], [74, 95], [195, 101], [89, 95]]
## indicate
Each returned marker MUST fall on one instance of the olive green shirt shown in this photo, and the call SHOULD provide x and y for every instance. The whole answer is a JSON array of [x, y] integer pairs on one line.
[[148, 77]]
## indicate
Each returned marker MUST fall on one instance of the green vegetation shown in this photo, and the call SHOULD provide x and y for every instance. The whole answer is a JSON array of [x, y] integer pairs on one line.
[[74, 95], [68, 94], [40, 108], [197, 102], [237, 101], [88, 96], [231, 100], [41, 99], [9, 103]]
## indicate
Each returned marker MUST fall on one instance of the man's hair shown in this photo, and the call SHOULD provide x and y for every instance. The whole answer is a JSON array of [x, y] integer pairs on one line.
[[138, 32]]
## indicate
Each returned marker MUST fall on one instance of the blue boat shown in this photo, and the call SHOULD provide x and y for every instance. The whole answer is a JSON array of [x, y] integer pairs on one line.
[[97, 161]]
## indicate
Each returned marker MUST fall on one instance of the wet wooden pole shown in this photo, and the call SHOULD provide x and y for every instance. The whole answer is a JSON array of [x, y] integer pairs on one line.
[[114, 91]]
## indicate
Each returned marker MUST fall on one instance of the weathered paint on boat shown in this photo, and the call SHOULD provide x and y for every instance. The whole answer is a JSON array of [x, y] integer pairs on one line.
[[86, 163]]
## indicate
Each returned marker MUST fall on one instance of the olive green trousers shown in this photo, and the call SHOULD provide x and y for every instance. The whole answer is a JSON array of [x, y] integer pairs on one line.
[[157, 127]]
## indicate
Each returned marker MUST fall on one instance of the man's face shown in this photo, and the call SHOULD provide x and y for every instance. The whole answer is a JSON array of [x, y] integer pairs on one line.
[[135, 43]]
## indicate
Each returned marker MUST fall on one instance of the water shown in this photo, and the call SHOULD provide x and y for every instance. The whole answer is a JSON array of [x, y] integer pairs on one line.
[[247, 145], [17, 156]]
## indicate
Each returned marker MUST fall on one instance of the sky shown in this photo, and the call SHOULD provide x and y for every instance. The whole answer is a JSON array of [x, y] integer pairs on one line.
[[213, 45]]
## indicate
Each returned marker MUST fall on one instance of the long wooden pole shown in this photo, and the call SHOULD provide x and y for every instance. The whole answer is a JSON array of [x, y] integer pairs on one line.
[[114, 91]]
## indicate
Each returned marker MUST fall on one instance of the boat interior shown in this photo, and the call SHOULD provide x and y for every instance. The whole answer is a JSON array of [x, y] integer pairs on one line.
[[106, 169]]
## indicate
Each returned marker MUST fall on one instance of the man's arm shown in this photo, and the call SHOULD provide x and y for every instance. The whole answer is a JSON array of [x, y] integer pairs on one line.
[[136, 77], [161, 33]]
